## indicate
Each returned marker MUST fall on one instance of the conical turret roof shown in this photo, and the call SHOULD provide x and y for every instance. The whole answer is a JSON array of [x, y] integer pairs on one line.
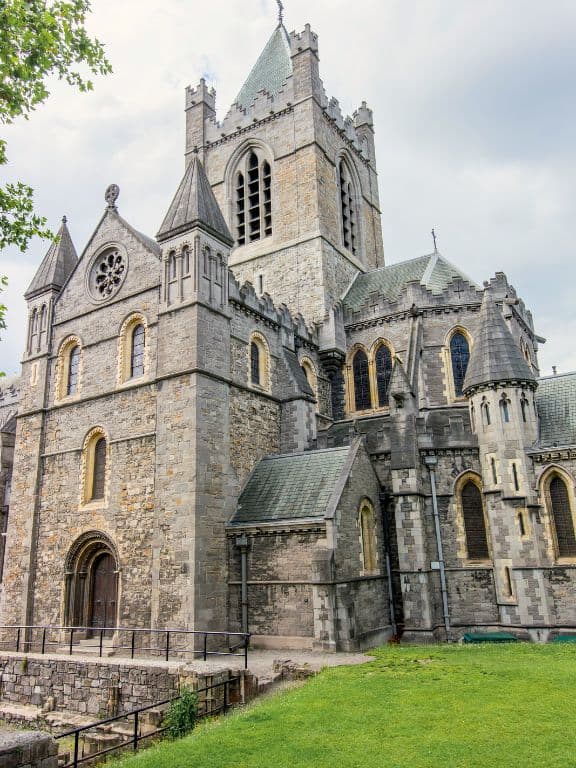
[[194, 204], [271, 71], [56, 266], [495, 357]]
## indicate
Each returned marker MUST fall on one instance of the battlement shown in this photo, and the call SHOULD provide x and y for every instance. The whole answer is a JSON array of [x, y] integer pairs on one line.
[[247, 299], [363, 116], [201, 94], [303, 41]]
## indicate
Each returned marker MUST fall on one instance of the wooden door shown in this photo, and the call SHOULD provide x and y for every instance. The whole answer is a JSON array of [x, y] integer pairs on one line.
[[103, 592]]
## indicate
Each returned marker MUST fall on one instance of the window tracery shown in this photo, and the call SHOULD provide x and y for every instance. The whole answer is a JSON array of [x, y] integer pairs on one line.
[[383, 364], [367, 520], [360, 372], [459, 359]]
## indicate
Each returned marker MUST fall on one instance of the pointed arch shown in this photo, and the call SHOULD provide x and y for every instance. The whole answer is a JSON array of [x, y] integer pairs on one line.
[[311, 376], [259, 367], [557, 489], [471, 512], [361, 380], [250, 187], [368, 538], [383, 357], [349, 194], [459, 345]]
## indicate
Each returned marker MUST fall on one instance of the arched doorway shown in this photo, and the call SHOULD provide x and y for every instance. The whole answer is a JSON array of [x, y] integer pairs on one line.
[[92, 583]]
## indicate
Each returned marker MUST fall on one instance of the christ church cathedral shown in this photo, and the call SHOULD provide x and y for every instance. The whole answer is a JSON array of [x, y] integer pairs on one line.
[[248, 421]]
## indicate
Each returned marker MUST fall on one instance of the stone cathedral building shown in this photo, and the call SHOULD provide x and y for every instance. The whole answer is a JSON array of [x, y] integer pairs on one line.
[[250, 421]]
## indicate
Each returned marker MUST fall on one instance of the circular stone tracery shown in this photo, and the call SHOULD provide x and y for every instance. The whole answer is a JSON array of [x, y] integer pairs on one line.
[[107, 274]]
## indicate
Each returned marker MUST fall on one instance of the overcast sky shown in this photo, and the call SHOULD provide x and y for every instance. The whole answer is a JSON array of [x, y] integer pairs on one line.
[[474, 113]]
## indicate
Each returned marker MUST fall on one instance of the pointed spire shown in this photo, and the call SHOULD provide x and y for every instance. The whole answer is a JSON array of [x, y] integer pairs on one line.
[[57, 265], [194, 204], [271, 71], [495, 357]]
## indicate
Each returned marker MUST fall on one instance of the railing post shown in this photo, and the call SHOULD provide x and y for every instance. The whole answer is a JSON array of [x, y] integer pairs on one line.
[[167, 645], [135, 731], [43, 640], [18, 640], [225, 706], [246, 640], [205, 646], [71, 639], [101, 641], [76, 744], [132, 644]]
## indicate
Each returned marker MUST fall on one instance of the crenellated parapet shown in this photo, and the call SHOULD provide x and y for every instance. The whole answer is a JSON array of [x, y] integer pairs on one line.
[[245, 299]]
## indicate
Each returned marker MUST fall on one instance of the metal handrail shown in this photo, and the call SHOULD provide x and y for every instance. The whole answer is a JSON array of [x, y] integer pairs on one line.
[[24, 640], [136, 738]]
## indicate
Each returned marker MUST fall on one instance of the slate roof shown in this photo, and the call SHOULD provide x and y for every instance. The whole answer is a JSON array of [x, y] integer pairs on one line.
[[495, 355], [432, 271], [56, 266], [556, 401], [271, 71], [294, 487], [194, 203]]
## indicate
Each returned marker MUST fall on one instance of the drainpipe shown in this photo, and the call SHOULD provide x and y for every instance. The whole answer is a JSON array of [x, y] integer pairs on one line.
[[242, 543], [386, 527], [431, 462]]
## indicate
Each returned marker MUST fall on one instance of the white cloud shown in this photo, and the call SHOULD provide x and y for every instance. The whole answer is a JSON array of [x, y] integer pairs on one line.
[[473, 120]]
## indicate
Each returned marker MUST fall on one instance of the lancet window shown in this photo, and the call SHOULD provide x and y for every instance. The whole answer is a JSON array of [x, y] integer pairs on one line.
[[348, 209], [253, 199]]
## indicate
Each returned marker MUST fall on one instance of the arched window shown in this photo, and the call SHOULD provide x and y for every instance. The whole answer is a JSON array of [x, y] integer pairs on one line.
[[485, 408], [459, 357], [383, 361], [43, 325], [172, 266], [505, 409], [253, 199], [311, 375], [524, 407], [73, 371], [348, 209], [259, 362], [137, 353], [474, 522], [255, 363], [561, 513], [186, 261], [99, 474], [368, 537], [494, 473], [362, 398]]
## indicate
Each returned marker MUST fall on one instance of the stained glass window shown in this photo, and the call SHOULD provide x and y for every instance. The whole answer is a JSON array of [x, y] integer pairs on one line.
[[138, 345], [362, 398], [255, 363], [474, 522], [562, 516], [383, 374], [73, 370], [460, 355], [99, 477]]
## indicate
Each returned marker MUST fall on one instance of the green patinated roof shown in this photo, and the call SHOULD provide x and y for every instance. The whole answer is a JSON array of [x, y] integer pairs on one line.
[[270, 71], [293, 487], [433, 272], [556, 401]]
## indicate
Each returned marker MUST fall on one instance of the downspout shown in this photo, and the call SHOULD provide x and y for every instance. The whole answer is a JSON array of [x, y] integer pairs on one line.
[[386, 528], [242, 544], [431, 462]]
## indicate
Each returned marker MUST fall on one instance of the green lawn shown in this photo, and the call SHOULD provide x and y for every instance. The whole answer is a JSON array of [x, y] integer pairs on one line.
[[432, 706]]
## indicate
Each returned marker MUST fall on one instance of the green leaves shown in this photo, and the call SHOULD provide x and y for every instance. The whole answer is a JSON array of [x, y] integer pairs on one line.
[[38, 39]]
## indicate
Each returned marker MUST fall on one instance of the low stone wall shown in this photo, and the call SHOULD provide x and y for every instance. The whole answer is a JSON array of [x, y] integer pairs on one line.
[[27, 749]]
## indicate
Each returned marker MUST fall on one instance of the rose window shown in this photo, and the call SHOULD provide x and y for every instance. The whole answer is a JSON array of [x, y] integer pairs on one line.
[[107, 275]]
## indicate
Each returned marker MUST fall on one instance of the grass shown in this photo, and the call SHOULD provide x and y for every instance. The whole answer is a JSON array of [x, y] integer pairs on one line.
[[426, 707]]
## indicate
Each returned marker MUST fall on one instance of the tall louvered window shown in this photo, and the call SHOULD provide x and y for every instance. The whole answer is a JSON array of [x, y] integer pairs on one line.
[[362, 399], [99, 472], [474, 522], [460, 357], [73, 371], [562, 518], [348, 209], [137, 356], [383, 360], [253, 191]]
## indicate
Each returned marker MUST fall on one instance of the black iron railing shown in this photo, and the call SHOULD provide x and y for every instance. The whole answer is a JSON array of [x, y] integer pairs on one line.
[[125, 642], [230, 697]]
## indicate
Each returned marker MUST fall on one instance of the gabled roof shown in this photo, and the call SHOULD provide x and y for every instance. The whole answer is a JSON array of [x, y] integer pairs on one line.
[[56, 266], [495, 356], [556, 401], [432, 271], [292, 487], [271, 71], [194, 204]]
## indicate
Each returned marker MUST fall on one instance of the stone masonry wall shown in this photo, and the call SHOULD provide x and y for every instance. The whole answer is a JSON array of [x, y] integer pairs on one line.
[[28, 749]]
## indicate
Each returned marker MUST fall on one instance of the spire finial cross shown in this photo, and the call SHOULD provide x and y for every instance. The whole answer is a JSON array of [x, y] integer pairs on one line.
[[435, 241], [280, 12]]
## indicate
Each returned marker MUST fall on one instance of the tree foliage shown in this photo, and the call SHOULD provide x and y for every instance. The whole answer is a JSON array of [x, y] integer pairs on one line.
[[39, 39]]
